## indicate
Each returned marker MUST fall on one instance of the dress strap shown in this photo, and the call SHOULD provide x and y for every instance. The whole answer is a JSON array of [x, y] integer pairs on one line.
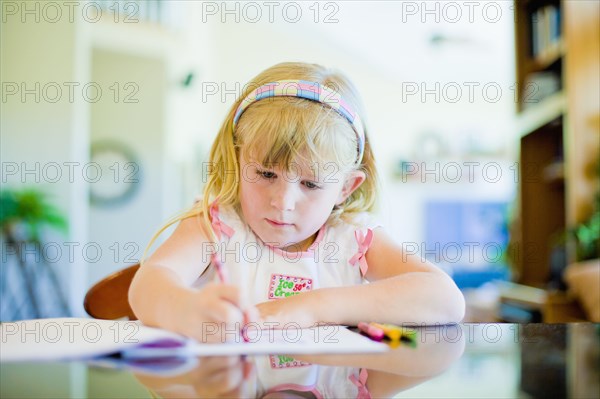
[[218, 225], [361, 384], [364, 242]]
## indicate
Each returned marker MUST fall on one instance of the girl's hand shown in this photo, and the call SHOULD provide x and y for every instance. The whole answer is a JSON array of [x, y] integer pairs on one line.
[[292, 311], [213, 313]]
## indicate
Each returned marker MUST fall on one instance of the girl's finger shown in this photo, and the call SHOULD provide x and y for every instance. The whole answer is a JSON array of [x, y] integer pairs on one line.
[[228, 292], [252, 315], [232, 315]]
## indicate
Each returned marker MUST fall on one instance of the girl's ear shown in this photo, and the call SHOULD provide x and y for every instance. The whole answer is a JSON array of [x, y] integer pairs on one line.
[[353, 181]]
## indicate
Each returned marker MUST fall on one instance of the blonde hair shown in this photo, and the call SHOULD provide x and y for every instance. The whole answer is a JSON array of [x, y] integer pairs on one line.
[[288, 128]]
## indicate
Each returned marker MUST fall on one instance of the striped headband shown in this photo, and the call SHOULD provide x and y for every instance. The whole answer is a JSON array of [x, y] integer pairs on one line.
[[310, 91]]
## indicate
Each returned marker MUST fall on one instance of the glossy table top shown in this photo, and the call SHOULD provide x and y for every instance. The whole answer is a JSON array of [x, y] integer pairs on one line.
[[460, 361]]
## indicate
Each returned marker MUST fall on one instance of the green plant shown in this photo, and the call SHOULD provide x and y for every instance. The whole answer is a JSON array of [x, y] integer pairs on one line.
[[587, 235], [23, 214], [31, 209]]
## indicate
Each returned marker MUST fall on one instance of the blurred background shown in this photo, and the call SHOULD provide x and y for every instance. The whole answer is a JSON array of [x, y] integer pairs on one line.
[[484, 118]]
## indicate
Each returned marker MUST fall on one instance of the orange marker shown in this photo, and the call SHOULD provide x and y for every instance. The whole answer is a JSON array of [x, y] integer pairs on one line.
[[392, 333], [396, 333]]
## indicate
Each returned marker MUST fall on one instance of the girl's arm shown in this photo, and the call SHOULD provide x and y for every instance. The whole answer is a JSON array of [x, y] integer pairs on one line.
[[418, 291], [402, 289], [161, 292]]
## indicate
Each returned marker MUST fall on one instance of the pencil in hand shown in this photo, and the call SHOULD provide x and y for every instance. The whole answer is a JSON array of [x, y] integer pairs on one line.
[[244, 302]]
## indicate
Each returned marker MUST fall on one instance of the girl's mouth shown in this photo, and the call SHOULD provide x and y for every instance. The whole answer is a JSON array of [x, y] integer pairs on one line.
[[278, 224]]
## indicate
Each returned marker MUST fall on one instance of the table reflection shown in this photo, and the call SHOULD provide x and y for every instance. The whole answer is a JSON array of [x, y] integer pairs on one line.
[[466, 361], [309, 376]]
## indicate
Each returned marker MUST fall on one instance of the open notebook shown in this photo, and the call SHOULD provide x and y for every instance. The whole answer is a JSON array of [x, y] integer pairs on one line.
[[78, 338]]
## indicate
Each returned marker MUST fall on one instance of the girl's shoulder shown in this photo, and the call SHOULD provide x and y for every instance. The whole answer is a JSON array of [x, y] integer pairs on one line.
[[349, 228], [227, 219], [360, 220]]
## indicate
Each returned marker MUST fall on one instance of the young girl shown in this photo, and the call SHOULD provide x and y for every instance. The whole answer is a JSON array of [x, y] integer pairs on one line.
[[283, 232]]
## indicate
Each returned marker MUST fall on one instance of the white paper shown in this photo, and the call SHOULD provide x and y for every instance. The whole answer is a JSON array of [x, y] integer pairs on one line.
[[72, 338], [290, 341], [77, 338]]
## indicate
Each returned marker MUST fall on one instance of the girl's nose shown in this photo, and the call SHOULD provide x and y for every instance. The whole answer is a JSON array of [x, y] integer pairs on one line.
[[284, 197]]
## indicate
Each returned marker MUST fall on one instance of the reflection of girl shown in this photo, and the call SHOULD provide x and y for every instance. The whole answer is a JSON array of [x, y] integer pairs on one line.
[[318, 376], [303, 379]]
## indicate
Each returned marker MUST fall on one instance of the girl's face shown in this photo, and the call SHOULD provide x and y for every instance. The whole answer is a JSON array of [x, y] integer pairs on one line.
[[286, 209]]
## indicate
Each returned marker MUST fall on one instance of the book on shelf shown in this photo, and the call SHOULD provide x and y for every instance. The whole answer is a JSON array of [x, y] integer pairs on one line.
[[539, 86], [545, 30]]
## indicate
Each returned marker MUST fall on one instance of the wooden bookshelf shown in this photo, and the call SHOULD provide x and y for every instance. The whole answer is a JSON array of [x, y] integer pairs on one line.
[[542, 200], [540, 50], [582, 138], [557, 62]]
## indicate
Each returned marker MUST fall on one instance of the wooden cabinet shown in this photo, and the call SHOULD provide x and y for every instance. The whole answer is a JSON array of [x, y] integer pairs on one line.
[[582, 81], [558, 80]]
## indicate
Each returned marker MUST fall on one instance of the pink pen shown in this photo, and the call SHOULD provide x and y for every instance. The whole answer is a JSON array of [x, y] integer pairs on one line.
[[372, 332], [222, 273]]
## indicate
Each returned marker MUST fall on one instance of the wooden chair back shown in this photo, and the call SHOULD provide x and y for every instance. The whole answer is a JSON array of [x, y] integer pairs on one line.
[[107, 299]]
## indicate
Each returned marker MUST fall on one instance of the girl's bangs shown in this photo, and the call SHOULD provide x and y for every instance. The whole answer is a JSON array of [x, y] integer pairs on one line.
[[285, 130]]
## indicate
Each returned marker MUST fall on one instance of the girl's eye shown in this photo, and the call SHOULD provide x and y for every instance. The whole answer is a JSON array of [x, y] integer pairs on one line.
[[266, 174], [311, 185]]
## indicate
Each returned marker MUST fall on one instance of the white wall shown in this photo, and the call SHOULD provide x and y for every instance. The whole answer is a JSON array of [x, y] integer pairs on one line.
[[46, 131], [135, 117]]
